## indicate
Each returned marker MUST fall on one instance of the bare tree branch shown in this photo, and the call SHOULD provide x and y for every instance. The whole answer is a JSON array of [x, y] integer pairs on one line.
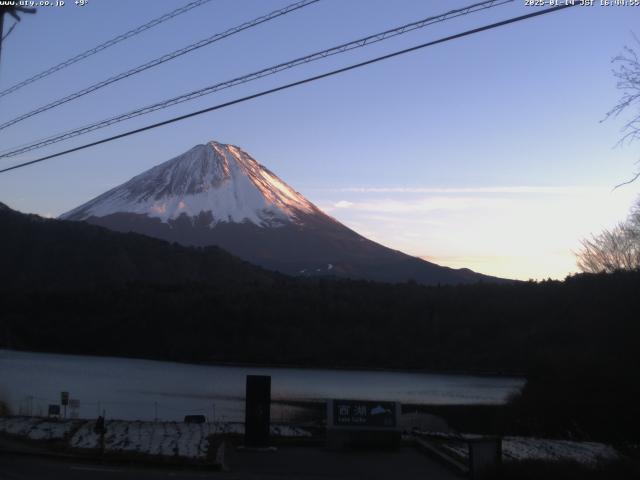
[[631, 180], [627, 75], [615, 249]]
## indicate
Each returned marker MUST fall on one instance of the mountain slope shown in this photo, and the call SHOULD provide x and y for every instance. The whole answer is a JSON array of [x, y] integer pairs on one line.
[[217, 194]]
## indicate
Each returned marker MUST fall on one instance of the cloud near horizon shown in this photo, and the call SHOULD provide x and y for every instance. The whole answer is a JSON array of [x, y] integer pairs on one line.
[[485, 190], [514, 231]]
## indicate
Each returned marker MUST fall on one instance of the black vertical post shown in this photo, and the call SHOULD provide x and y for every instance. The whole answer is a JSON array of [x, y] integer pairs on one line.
[[257, 413]]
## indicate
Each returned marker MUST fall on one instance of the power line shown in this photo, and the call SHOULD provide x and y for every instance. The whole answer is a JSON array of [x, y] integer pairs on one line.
[[4, 37], [105, 45], [257, 75], [294, 84], [160, 60]]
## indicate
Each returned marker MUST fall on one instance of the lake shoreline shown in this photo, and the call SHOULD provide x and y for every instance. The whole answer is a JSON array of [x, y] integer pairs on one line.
[[319, 366], [130, 388]]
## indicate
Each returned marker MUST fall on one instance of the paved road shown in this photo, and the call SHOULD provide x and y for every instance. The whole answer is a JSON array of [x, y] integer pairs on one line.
[[304, 463], [316, 463], [23, 467]]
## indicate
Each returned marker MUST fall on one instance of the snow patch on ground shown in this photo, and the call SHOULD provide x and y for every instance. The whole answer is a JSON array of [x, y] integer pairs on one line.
[[459, 450], [35, 428], [515, 449], [174, 439], [189, 440], [289, 431], [586, 453]]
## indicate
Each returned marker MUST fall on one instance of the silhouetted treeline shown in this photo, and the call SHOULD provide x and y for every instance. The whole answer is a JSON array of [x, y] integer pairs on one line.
[[47, 254], [576, 340]]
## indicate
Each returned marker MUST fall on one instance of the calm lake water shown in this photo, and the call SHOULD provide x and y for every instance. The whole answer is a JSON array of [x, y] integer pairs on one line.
[[146, 389]]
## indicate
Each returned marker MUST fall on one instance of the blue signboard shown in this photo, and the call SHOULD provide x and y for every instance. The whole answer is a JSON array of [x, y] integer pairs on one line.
[[363, 413]]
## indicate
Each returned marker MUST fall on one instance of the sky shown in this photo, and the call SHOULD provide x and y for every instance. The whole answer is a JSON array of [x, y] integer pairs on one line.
[[488, 152]]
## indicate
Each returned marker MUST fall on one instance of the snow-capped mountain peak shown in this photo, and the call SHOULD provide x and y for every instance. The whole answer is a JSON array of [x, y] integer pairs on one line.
[[216, 194], [215, 178]]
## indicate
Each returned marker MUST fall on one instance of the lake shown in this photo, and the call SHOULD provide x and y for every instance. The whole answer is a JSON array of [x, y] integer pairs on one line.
[[133, 389]]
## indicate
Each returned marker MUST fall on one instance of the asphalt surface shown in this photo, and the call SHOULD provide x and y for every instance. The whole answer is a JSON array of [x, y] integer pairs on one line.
[[305, 463], [27, 467], [317, 463]]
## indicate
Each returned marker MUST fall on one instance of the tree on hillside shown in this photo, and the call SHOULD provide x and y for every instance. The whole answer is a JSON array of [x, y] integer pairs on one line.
[[615, 249], [627, 75], [619, 248]]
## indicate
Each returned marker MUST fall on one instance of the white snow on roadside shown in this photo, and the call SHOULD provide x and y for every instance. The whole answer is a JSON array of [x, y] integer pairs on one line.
[[36, 428], [288, 431], [516, 449], [52, 430], [586, 453], [18, 425], [458, 449], [188, 440], [85, 437], [230, 427], [276, 430]]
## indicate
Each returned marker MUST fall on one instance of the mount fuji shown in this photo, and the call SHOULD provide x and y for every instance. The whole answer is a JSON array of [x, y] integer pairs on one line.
[[217, 194]]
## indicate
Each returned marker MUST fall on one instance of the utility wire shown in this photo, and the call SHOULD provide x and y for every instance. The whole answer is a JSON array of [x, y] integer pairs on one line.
[[160, 60], [257, 75], [105, 45], [9, 32], [294, 84]]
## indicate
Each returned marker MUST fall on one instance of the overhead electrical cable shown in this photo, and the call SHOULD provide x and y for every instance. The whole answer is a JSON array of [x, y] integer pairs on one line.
[[361, 42], [104, 46], [4, 37], [163, 59], [294, 84]]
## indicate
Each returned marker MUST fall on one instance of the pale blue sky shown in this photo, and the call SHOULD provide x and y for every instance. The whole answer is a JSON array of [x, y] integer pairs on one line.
[[422, 153]]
